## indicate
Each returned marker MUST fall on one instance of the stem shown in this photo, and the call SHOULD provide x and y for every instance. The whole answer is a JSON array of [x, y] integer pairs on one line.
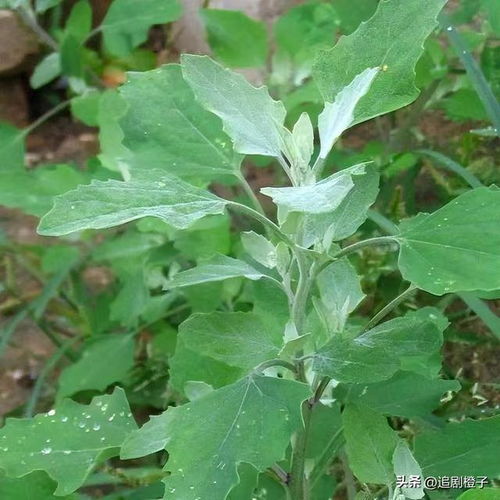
[[29, 18], [381, 240], [249, 192], [275, 362], [45, 117], [349, 478], [390, 307]]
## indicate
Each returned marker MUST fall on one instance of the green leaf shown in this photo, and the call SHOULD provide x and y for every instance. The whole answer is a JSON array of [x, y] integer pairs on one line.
[[121, 35], [67, 442], [376, 354], [324, 196], [170, 130], [34, 486], [46, 70], [251, 422], [85, 107], [391, 39], [480, 494], [110, 203], [250, 116], [260, 249], [370, 444], [11, 147], [338, 116], [235, 39], [219, 268], [352, 12], [237, 339], [468, 448], [105, 361], [405, 394], [456, 248], [43, 5], [339, 294], [406, 465], [349, 215]]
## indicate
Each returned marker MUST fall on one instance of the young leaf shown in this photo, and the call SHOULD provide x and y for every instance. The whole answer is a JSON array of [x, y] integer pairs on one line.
[[324, 196], [110, 203], [406, 465], [392, 40], [46, 70], [260, 249], [468, 448], [376, 355], [121, 35], [103, 362], [456, 248], [68, 441], [170, 130], [251, 117], [338, 116], [237, 339], [236, 39], [219, 268], [251, 421], [370, 444]]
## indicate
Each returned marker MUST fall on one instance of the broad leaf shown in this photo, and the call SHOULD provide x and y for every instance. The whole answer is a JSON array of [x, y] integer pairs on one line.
[[480, 494], [468, 448], [392, 39], [251, 117], [338, 116], [219, 268], [110, 203], [34, 486], [68, 441], [127, 22], [376, 355], [237, 339], [170, 130], [370, 444], [103, 362], [456, 248], [324, 196], [235, 39], [251, 422], [405, 465]]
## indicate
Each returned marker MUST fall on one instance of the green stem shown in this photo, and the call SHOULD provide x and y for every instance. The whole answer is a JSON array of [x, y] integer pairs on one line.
[[29, 18], [381, 240], [249, 192], [390, 307], [45, 117]]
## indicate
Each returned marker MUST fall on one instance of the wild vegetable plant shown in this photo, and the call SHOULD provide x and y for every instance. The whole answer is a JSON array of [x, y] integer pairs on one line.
[[281, 390]]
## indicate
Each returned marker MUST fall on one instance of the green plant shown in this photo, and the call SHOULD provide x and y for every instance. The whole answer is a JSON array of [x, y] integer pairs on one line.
[[282, 376]]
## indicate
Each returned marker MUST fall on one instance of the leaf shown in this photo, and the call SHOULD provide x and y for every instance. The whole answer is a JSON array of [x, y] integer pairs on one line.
[[370, 444], [11, 147], [34, 486], [235, 39], [250, 116], [391, 39], [105, 361], [251, 422], [376, 354], [322, 197], [67, 442], [405, 394], [468, 448], [457, 247], [338, 116], [170, 130], [219, 268], [406, 465], [339, 293], [43, 5], [237, 339], [480, 494], [105, 204], [85, 107], [260, 249], [121, 35], [46, 70]]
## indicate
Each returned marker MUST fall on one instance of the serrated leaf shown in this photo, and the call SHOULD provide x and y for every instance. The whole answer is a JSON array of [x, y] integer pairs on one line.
[[405, 465], [457, 247], [376, 354], [219, 268], [67, 442], [324, 196], [467, 448], [103, 362], [235, 39], [252, 422], [370, 444], [237, 339], [391, 39], [250, 116], [338, 116], [170, 130], [121, 35], [110, 203]]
